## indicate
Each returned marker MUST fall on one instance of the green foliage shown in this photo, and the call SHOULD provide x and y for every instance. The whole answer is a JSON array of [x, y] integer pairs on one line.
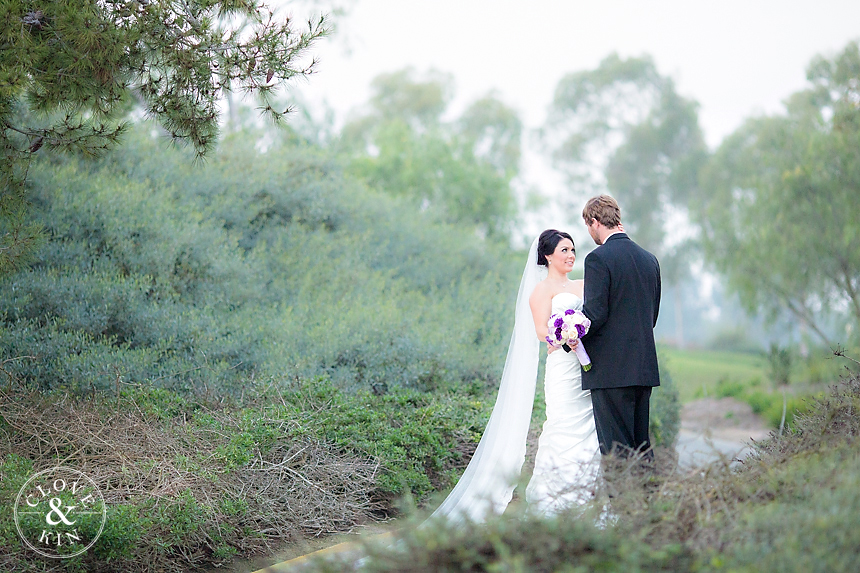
[[769, 405], [15, 470], [519, 543], [772, 182], [665, 412], [730, 388], [416, 436], [461, 171], [177, 520], [622, 128], [67, 70], [765, 403], [216, 469], [122, 532], [779, 361], [180, 58], [812, 525], [697, 373], [254, 265], [791, 506]]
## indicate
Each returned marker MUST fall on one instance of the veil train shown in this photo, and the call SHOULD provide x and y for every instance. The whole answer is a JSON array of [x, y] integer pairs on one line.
[[487, 485]]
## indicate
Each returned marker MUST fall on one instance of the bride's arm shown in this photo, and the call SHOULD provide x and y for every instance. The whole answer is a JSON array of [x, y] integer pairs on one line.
[[541, 305]]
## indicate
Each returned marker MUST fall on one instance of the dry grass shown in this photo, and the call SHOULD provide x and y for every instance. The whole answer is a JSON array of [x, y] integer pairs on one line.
[[294, 488], [698, 507]]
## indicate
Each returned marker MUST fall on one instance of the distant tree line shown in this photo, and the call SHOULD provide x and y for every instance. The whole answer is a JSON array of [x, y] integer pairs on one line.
[[773, 208]]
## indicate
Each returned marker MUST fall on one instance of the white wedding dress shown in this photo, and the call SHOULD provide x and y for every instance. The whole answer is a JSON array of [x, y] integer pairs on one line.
[[568, 449], [567, 460]]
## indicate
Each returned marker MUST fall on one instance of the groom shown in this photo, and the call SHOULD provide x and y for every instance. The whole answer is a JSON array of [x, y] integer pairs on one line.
[[622, 299]]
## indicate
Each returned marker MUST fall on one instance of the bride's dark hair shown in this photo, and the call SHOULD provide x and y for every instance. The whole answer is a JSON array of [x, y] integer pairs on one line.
[[548, 241]]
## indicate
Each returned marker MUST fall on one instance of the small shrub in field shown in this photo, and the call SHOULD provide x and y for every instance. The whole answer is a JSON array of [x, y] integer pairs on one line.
[[769, 405], [780, 362], [729, 388]]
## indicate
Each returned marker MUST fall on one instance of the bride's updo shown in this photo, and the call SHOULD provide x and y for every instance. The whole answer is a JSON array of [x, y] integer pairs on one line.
[[548, 241]]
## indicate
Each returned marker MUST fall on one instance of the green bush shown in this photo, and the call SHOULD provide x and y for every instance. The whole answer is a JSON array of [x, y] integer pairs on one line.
[[769, 405], [161, 272], [665, 415], [417, 436], [122, 533], [814, 528], [730, 388], [780, 362], [569, 542], [15, 470]]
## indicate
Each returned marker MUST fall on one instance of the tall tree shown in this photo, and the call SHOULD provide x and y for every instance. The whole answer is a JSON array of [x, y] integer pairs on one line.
[[461, 170], [493, 132], [623, 129], [781, 216], [69, 71]]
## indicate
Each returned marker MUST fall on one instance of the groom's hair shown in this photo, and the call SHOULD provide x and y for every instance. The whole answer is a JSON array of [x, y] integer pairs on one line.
[[603, 208], [548, 241]]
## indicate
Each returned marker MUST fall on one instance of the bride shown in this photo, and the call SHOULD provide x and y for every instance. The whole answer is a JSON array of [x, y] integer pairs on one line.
[[566, 462]]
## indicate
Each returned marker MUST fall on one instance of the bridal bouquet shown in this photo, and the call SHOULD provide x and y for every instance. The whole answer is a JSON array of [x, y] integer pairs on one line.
[[566, 327]]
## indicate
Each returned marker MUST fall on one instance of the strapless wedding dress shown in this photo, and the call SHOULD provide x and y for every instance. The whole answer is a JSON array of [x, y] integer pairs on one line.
[[568, 456]]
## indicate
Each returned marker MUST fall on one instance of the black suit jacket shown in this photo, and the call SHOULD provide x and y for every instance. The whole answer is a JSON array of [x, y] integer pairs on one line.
[[622, 300]]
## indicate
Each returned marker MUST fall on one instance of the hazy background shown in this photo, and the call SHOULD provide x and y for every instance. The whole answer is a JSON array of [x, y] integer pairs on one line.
[[736, 59]]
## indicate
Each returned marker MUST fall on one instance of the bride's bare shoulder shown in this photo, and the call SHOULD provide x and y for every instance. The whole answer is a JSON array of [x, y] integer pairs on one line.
[[540, 292], [578, 287]]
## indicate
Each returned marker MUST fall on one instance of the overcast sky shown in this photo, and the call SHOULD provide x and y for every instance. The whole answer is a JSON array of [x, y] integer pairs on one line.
[[736, 58]]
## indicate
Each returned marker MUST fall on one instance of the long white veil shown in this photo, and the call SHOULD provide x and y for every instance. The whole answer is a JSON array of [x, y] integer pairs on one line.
[[488, 483]]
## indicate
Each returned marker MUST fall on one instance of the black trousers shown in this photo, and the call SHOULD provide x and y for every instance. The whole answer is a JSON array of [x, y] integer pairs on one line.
[[621, 417]]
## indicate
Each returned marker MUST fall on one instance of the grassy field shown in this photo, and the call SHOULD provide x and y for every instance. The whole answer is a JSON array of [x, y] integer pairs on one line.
[[696, 372]]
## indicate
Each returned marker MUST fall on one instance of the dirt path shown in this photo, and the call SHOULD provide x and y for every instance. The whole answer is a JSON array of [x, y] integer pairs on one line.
[[711, 428]]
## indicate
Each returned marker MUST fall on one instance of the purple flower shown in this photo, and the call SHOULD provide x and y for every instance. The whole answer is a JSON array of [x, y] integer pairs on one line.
[[558, 333], [581, 330], [558, 322], [569, 311]]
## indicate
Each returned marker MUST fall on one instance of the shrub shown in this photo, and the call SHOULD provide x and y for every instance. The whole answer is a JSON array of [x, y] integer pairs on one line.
[[730, 388], [278, 265], [569, 542], [665, 410], [779, 361], [418, 437], [769, 405]]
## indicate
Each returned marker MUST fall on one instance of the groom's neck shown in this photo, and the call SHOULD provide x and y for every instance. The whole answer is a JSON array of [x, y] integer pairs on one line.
[[607, 232]]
